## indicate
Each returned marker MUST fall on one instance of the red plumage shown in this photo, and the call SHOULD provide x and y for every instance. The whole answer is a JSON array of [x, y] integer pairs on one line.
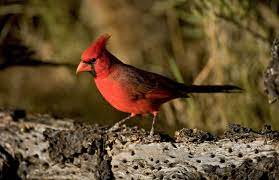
[[133, 90]]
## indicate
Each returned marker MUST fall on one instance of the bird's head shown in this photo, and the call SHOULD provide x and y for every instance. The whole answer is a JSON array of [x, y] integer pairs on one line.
[[93, 57]]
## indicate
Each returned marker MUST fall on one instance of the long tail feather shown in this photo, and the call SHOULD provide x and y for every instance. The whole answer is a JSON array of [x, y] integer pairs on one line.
[[212, 89]]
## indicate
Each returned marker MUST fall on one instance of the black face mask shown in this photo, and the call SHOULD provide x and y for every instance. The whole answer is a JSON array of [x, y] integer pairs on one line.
[[91, 63], [93, 72]]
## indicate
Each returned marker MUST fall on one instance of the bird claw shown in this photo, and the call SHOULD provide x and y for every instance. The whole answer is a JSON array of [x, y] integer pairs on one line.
[[118, 124], [150, 137], [151, 134], [114, 128]]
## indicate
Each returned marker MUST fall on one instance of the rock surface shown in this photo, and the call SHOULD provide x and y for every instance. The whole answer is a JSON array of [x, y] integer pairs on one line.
[[271, 74], [40, 146]]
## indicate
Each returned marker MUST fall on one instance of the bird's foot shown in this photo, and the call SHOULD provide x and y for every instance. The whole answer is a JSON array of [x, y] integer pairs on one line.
[[114, 127], [118, 124], [152, 138], [151, 134]]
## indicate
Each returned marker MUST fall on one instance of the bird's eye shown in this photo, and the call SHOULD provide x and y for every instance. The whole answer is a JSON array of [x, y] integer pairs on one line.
[[91, 61]]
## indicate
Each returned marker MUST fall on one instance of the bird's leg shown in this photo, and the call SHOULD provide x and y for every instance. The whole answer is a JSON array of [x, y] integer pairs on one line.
[[117, 125], [153, 123]]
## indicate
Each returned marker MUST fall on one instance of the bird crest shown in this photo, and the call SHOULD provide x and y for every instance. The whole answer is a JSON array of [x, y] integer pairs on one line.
[[96, 48]]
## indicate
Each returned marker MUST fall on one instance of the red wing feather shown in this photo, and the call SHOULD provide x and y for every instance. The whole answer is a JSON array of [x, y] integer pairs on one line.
[[150, 85]]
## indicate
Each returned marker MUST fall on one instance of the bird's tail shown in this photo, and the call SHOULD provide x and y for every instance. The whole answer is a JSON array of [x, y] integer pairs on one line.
[[212, 89]]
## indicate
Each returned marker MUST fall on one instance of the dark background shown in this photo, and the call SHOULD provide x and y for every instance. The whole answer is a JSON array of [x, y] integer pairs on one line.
[[197, 41]]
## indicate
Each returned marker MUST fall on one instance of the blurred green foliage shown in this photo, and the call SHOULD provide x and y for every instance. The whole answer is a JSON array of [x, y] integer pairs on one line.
[[192, 41]]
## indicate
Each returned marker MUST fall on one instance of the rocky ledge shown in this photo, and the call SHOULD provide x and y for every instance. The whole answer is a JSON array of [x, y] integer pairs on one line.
[[43, 147]]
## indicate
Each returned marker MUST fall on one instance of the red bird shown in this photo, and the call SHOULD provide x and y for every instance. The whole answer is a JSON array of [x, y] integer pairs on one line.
[[133, 90]]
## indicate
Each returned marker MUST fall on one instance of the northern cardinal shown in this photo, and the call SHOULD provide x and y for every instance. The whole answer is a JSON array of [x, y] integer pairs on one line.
[[133, 90]]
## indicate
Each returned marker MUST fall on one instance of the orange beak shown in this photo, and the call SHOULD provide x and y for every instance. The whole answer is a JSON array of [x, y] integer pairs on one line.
[[83, 67]]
